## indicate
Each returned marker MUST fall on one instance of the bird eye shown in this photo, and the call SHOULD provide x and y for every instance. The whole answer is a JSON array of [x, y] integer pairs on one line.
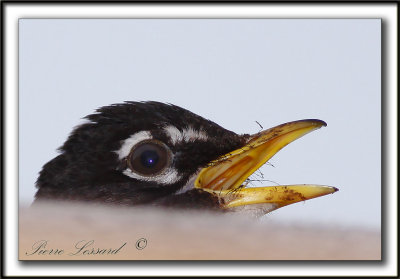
[[149, 158]]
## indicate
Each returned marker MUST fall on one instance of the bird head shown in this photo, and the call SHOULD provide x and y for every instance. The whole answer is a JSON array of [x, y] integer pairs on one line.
[[151, 153]]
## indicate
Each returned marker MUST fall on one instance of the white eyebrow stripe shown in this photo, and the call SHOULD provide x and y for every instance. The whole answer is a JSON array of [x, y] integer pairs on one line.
[[186, 135], [131, 142]]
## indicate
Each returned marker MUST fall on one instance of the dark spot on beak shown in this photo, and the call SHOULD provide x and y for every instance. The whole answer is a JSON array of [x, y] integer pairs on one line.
[[291, 195]]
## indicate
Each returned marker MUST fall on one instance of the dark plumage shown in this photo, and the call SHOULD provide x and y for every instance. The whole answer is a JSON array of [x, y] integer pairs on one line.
[[160, 154], [88, 169]]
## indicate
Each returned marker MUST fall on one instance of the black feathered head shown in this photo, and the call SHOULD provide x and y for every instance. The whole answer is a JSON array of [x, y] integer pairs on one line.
[[154, 153]]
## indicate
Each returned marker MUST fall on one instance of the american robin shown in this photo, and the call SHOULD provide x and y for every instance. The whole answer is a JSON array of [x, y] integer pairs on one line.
[[152, 153]]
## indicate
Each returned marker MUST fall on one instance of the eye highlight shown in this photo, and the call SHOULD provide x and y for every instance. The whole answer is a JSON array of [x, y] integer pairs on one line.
[[149, 158]]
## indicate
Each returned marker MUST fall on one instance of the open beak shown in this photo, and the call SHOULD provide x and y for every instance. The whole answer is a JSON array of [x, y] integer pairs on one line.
[[225, 176]]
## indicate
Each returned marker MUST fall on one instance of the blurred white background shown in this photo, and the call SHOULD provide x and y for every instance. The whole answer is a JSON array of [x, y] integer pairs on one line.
[[233, 72]]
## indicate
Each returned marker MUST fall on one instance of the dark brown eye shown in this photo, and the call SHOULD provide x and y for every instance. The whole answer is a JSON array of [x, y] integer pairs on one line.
[[149, 158]]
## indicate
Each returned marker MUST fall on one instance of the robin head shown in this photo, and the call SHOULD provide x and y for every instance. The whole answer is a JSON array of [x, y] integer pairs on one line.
[[153, 153]]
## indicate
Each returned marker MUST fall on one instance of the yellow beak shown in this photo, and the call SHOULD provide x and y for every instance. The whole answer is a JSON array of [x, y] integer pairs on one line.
[[224, 177]]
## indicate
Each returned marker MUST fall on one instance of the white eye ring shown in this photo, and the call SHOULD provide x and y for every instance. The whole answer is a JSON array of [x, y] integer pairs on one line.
[[130, 142], [168, 175], [149, 158]]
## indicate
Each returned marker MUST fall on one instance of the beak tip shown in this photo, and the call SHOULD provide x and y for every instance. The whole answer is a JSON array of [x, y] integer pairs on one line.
[[320, 123], [335, 189]]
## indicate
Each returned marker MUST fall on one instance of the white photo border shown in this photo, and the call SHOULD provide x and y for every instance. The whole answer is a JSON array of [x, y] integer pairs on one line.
[[388, 12]]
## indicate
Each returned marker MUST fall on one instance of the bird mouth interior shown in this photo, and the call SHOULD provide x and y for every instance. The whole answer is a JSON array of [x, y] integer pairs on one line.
[[224, 177]]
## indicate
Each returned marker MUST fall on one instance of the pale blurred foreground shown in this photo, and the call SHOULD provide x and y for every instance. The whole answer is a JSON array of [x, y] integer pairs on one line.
[[69, 231]]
